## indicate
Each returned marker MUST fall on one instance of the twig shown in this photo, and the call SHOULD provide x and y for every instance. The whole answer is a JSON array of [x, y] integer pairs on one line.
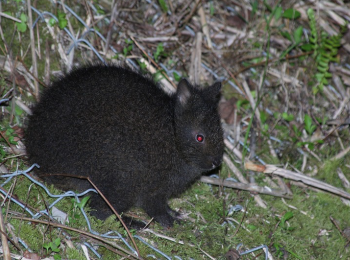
[[241, 178], [116, 213], [10, 17], [191, 14], [196, 59], [205, 27], [243, 186], [337, 226], [296, 177], [4, 242]]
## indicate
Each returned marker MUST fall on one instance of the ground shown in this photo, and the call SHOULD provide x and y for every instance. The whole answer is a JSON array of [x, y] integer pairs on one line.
[[285, 103]]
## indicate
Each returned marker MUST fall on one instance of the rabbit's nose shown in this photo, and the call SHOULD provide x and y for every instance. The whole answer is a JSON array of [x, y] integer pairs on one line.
[[217, 161]]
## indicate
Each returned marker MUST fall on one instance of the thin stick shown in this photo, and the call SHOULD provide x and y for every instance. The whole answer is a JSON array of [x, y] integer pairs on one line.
[[268, 168], [248, 187], [4, 242], [242, 179], [32, 46], [191, 14], [116, 213]]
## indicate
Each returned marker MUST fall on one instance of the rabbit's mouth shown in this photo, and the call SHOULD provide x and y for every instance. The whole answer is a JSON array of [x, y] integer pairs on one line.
[[211, 163]]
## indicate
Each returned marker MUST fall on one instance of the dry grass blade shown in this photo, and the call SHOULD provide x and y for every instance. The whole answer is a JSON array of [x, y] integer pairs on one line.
[[32, 46], [4, 243]]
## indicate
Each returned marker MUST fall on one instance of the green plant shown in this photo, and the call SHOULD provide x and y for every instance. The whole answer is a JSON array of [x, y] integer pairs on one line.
[[53, 246], [129, 47], [159, 52], [163, 6], [296, 37], [22, 26], [310, 127], [287, 117], [177, 77], [158, 75], [9, 134], [263, 119], [62, 21], [242, 103], [280, 251], [76, 206], [284, 219], [325, 49]]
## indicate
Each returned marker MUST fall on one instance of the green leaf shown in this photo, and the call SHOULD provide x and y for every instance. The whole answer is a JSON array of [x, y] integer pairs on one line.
[[57, 257], [265, 127], [22, 26], [285, 218], [263, 116], [23, 17], [211, 8], [159, 52], [142, 65], [158, 76], [291, 13], [177, 77], [311, 146], [241, 102], [278, 13], [327, 75], [322, 69], [62, 21], [287, 117], [323, 63], [47, 246], [268, 7], [297, 34], [52, 21], [296, 131], [319, 76], [83, 202], [163, 6], [286, 35], [307, 47], [313, 41], [309, 126], [255, 6], [57, 241], [311, 13], [125, 51], [251, 227]]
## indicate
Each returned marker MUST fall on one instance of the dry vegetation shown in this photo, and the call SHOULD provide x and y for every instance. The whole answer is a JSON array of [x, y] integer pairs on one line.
[[285, 109]]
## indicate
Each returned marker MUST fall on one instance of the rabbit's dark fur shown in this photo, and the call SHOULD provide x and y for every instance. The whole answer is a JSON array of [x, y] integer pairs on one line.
[[139, 145]]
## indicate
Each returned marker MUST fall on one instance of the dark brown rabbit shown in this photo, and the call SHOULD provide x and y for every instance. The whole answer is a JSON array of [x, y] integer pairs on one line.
[[138, 144]]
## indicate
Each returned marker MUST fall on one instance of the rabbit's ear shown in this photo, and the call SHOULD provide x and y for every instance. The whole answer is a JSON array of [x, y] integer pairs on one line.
[[213, 92], [183, 93]]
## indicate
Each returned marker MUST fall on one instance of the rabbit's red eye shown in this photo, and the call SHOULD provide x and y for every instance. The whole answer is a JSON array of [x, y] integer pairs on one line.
[[200, 138]]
